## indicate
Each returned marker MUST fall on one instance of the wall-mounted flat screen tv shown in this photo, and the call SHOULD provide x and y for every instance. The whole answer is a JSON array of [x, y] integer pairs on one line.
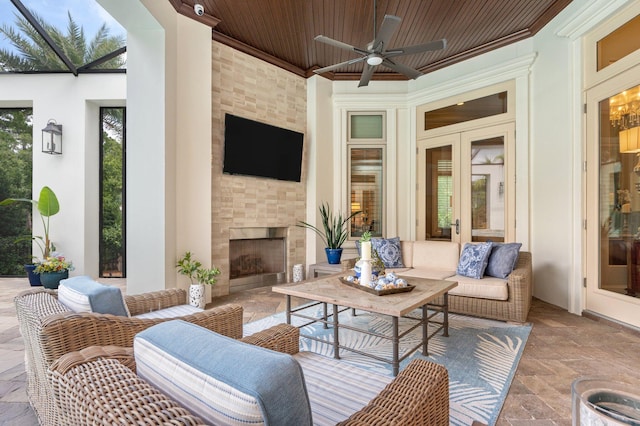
[[258, 149]]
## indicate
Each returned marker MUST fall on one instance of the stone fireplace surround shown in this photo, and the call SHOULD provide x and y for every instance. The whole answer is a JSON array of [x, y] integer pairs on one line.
[[248, 87]]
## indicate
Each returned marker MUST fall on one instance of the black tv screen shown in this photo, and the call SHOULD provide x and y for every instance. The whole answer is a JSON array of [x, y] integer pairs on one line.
[[258, 149]]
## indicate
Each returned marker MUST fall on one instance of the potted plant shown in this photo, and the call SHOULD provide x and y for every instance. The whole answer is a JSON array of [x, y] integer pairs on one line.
[[47, 205], [334, 231], [198, 276], [52, 270]]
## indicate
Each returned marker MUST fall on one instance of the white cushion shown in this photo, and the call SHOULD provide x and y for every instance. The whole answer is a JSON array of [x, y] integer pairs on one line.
[[443, 255], [222, 380], [485, 288], [171, 312], [434, 274], [407, 253], [82, 294]]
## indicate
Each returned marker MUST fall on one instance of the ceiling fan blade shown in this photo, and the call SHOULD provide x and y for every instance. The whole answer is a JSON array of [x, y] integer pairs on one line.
[[388, 27], [418, 48], [366, 75], [336, 66], [339, 44], [403, 69]]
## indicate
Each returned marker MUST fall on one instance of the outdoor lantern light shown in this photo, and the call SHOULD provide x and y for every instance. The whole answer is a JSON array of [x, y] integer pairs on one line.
[[52, 138]]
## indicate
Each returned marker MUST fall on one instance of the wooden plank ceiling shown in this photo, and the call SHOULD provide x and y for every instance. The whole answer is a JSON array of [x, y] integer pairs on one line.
[[282, 31]]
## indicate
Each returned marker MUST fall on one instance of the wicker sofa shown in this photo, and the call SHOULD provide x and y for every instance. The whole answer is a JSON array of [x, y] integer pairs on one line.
[[505, 299], [99, 386], [50, 330]]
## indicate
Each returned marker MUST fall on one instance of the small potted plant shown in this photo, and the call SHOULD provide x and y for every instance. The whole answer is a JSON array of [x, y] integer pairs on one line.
[[52, 270], [334, 231], [198, 276]]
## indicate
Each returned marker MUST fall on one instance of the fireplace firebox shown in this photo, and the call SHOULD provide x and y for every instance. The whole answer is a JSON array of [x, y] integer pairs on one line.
[[257, 257]]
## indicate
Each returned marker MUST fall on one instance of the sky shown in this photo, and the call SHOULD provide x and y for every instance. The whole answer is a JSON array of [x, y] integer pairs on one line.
[[87, 13]]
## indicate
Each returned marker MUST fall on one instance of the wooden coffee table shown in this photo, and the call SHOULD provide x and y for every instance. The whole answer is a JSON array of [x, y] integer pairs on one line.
[[329, 290]]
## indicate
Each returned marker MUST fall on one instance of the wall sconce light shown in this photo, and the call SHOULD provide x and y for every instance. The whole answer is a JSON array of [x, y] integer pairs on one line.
[[501, 188], [52, 138]]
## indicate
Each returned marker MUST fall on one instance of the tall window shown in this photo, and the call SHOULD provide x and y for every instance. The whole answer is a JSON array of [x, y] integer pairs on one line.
[[366, 153], [112, 193], [15, 182]]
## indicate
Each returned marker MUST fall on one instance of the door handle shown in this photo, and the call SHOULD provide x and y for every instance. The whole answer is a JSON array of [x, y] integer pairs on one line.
[[457, 224]]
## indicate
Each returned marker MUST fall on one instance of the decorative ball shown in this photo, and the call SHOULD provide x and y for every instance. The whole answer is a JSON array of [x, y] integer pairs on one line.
[[401, 282]]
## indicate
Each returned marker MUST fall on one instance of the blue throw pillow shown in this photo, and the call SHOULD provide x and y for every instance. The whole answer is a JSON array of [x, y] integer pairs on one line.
[[503, 259], [474, 259], [389, 251]]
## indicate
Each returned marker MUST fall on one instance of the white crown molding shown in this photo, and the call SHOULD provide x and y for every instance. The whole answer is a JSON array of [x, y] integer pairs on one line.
[[588, 17], [497, 73], [488, 76]]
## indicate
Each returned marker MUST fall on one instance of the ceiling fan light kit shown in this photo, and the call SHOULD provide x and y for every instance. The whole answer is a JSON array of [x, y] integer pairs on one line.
[[376, 53], [374, 59]]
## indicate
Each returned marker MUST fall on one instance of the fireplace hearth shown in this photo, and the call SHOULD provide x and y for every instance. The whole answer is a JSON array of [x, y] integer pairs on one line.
[[257, 257]]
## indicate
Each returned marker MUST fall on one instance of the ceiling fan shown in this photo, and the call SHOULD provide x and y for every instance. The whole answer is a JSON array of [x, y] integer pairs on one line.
[[377, 53]]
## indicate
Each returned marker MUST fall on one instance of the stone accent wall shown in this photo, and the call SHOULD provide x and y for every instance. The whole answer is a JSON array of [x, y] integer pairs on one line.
[[247, 87]]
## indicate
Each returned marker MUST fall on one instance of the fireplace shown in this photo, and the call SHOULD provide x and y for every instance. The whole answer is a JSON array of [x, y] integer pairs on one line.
[[257, 257]]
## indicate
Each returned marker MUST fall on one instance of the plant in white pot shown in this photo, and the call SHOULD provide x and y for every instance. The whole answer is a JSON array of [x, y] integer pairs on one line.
[[334, 231], [198, 276]]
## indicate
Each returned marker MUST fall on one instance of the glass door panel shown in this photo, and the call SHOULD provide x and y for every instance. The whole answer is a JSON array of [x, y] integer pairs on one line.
[[439, 194], [619, 192], [487, 189], [437, 183]]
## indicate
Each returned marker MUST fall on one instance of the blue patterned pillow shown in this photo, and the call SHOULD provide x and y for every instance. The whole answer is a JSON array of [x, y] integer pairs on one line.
[[473, 260], [503, 259], [389, 251]]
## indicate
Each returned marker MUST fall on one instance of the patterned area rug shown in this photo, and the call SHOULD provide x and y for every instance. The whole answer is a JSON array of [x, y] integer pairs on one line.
[[480, 355]]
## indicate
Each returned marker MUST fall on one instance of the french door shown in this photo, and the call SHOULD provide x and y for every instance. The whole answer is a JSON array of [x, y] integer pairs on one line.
[[466, 185], [612, 254]]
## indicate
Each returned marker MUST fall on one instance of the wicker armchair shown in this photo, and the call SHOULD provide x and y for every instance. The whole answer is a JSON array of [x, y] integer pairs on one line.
[[51, 330], [98, 386]]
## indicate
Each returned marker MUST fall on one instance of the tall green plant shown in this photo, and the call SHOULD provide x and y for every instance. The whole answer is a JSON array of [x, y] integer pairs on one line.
[[334, 231], [47, 205]]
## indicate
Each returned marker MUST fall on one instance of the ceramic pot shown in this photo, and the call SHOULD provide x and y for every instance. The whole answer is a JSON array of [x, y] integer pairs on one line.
[[51, 280], [298, 273], [34, 279], [333, 255], [196, 295]]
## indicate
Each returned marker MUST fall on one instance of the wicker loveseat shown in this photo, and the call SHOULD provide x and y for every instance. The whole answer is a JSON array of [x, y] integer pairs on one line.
[[505, 299], [99, 385], [50, 330]]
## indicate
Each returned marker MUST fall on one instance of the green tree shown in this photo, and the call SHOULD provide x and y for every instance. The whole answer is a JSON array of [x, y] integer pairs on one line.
[[15, 181], [111, 202], [36, 55]]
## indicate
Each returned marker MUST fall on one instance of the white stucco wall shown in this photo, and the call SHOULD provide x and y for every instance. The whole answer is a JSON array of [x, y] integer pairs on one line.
[[168, 129], [73, 102]]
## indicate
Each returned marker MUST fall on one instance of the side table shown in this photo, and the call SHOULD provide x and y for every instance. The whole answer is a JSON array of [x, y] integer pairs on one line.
[[319, 269]]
